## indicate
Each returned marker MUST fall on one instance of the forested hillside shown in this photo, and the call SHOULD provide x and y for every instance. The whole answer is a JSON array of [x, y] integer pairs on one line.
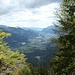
[[18, 36], [30, 42]]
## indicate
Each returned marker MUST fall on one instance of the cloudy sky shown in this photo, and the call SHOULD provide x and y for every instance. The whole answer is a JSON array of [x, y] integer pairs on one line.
[[28, 13]]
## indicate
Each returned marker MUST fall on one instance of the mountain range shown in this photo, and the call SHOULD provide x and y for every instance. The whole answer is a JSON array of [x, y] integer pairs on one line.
[[49, 29], [18, 36], [33, 43]]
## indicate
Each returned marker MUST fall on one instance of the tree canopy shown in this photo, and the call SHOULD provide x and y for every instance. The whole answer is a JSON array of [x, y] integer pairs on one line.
[[11, 62], [64, 62]]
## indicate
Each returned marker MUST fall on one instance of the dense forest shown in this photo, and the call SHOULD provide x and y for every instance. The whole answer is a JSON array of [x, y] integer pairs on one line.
[[14, 62]]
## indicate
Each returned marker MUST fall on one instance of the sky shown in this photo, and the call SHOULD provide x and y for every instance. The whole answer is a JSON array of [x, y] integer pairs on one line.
[[28, 13]]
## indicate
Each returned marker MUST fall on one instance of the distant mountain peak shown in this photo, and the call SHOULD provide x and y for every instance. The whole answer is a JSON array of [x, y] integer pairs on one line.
[[49, 29]]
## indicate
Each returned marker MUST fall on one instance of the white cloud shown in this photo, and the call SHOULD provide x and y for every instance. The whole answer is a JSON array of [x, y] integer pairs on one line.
[[37, 17], [7, 6]]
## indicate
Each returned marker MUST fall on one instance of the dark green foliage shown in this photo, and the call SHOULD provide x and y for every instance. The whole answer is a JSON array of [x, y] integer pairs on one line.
[[43, 54], [40, 70], [64, 61]]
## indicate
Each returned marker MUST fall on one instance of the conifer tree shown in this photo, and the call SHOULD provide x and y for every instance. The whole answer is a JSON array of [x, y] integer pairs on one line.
[[11, 63], [64, 62]]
